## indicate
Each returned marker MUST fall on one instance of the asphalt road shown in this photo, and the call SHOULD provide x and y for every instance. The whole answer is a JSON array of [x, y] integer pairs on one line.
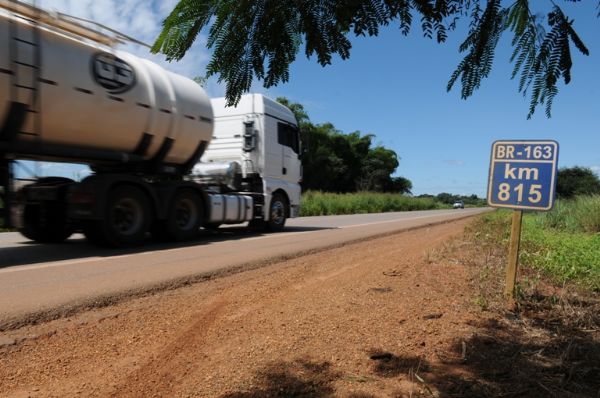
[[38, 279]]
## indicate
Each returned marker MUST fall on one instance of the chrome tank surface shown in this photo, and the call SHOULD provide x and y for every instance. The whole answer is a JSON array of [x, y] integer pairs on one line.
[[94, 96]]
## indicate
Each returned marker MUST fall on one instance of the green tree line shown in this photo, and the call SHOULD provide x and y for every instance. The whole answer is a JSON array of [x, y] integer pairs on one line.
[[338, 162], [448, 199]]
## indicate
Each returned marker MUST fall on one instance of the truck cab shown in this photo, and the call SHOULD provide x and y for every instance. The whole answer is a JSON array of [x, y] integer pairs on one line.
[[262, 136], [166, 160]]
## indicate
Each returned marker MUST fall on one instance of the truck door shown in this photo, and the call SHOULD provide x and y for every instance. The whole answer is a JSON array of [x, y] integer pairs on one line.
[[287, 137]]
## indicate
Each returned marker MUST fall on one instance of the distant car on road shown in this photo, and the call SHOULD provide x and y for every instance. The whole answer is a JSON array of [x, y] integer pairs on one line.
[[458, 204]]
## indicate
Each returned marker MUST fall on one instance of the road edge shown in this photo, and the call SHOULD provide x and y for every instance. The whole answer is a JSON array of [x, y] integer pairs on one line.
[[76, 307]]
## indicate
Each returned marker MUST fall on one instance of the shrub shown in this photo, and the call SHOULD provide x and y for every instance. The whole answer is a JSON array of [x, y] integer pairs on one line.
[[315, 203]]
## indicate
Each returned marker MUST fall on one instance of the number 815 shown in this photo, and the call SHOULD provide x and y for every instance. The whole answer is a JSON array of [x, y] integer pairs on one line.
[[534, 196]]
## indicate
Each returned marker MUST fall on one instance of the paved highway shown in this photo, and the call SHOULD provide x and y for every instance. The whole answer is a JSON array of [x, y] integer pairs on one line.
[[42, 279]]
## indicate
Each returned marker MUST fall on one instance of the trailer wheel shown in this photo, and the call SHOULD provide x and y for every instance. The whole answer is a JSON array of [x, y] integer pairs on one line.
[[127, 217], [185, 216], [277, 213], [45, 225], [47, 222]]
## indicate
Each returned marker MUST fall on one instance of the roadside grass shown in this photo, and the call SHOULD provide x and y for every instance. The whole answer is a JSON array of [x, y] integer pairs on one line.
[[315, 203], [579, 215], [564, 244], [548, 342]]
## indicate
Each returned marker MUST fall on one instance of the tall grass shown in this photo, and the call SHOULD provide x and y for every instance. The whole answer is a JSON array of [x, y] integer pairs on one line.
[[581, 214], [315, 203], [564, 243]]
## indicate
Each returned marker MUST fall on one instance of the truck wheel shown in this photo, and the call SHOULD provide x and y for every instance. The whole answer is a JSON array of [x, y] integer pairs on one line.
[[127, 217], [277, 213], [47, 222], [53, 227], [185, 216]]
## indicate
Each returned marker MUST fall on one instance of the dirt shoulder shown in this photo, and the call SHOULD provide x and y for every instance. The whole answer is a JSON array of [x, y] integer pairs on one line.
[[385, 317]]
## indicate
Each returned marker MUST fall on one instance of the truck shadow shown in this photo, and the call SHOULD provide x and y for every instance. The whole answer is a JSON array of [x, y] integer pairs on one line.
[[27, 252]]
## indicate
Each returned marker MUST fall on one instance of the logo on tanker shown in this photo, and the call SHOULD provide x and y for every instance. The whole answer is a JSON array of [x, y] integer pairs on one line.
[[112, 73]]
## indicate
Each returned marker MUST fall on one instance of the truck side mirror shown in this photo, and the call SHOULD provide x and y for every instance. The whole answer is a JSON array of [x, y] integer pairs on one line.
[[249, 137]]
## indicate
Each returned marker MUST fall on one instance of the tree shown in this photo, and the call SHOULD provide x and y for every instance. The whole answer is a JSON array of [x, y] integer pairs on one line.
[[446, 198], [399, 185], [261, 38], [338, 162], [377, 169], [200, 80], [574, 181]]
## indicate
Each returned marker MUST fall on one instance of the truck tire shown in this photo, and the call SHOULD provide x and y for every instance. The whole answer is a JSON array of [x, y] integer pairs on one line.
[[127, 218], [184, 217], [54, 229], [47, 222], [278, 210]]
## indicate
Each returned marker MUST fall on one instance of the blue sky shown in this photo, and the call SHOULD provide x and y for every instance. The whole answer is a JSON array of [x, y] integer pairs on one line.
[[395, 87]]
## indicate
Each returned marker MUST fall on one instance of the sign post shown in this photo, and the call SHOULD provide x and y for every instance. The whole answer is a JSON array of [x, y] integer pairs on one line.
[[513, 254], [522, 177]]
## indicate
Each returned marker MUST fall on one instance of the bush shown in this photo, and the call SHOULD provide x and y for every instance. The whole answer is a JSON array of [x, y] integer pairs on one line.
[[316, 203]]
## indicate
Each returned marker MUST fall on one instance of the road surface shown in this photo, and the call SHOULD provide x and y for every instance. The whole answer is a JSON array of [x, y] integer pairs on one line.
[[42, 281]]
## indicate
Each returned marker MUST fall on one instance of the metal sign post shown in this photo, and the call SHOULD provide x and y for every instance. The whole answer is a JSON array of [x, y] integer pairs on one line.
[[522, 177]]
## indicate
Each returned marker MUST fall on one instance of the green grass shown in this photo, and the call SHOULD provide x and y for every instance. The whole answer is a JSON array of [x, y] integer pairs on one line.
[[563, 243], [581, 214], [316, 203]]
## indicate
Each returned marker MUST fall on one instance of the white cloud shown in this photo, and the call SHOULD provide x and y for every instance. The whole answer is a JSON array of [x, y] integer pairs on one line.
[[140, 19]]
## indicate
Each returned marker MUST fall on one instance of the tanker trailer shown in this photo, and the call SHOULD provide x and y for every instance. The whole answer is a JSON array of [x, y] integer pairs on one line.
[[68, 95]]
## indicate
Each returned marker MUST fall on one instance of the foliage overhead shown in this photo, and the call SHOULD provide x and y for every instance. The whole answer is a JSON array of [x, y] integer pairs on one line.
[[338, 162], [576, 181], [261, 38]]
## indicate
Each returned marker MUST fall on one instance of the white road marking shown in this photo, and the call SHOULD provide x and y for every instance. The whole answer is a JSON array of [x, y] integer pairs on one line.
[[100, 258]]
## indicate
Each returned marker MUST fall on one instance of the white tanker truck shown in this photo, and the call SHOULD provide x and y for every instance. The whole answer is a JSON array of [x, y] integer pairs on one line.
[[166, 160]]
